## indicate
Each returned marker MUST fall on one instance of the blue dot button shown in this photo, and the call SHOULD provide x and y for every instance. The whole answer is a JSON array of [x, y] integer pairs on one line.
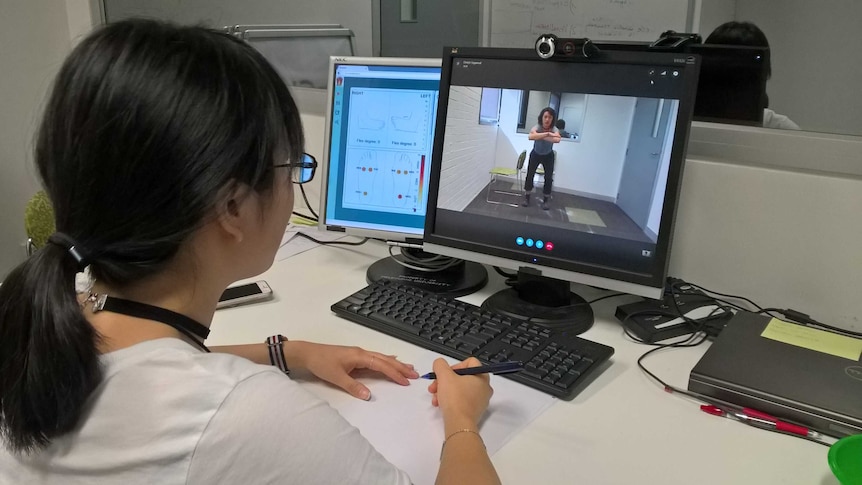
[[529, 243]]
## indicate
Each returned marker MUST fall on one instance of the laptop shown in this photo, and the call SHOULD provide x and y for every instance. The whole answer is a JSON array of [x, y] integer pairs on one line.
[[803, 375]]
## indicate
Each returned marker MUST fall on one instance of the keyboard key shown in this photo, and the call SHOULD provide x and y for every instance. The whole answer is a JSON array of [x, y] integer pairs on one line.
[[394, 323]]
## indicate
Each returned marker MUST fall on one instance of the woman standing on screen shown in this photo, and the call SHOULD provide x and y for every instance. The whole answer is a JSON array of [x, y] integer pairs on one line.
[[169, 155], [544, 135]]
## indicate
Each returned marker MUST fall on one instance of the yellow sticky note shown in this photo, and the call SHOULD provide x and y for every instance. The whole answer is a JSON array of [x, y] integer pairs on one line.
[[814, 339]]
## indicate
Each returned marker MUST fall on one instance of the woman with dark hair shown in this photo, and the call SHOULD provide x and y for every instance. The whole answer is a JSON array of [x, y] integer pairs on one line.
[[168, 154], [749, 34], [544, 134]]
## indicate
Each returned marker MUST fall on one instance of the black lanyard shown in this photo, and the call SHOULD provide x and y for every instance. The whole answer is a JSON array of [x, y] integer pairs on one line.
[[181, 323]]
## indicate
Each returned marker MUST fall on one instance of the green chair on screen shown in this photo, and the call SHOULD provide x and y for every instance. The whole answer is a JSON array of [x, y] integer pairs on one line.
[[507, 172]]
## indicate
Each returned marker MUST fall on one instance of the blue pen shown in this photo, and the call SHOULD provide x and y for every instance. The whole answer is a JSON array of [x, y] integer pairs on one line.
[[501, 368]]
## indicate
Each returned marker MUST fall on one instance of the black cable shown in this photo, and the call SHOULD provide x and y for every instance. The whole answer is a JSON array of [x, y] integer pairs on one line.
[[564, 326], [332, 243], [612, 295], [789, 313], [755, 305], [731, 304], [299, 214], [505, 274], [807, 321], [432, 263], [305, 198]]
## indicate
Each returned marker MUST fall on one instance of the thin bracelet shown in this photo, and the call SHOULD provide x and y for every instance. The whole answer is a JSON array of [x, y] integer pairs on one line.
[[463, 430], [275, 345]]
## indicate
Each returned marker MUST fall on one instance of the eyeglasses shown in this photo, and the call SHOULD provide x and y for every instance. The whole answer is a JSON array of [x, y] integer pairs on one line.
[[302, 171]]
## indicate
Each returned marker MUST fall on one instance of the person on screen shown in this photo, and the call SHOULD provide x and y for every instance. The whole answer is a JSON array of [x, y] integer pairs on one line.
[[169, 154], [747, 33], [561, 127], [544, 134]]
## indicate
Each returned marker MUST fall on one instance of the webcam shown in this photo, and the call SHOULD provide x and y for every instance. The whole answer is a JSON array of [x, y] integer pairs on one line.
[[549, 45], [672, 40]]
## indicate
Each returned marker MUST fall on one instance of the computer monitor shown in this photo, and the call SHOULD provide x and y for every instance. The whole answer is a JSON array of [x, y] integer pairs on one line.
[[378, 141], [732, 85], [612, 191]]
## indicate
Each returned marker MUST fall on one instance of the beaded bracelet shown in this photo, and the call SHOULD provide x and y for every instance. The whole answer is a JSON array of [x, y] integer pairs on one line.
[[275, 344], [463, 430]]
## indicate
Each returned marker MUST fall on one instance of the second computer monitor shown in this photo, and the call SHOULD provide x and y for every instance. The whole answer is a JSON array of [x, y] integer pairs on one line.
[[732, 87], [378, 142], [732, 83]]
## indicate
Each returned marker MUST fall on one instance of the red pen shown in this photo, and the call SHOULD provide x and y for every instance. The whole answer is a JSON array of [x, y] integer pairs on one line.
[[760, 419]]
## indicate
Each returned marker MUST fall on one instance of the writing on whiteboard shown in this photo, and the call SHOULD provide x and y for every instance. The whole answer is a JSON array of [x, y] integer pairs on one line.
[[517, 23]]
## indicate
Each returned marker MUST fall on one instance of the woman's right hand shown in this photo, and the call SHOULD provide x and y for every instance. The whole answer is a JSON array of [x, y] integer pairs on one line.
[[461, 399]]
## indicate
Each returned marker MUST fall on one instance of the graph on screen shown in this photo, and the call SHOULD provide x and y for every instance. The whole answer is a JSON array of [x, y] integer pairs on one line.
[[388, 149]]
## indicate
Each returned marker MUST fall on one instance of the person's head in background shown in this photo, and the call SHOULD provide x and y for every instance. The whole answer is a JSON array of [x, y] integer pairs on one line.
[[749, 34], [153, 134], [739, 33], [547, 118]]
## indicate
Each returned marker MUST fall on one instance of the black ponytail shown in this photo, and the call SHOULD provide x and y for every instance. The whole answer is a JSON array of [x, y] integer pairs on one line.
[[48, 360]]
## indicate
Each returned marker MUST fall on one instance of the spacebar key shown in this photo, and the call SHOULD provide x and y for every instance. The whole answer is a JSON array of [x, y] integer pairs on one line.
[[387, 320]]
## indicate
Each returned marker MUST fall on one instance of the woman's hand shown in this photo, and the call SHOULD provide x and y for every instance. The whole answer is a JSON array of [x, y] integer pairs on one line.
[[334, 363], [462, 399]]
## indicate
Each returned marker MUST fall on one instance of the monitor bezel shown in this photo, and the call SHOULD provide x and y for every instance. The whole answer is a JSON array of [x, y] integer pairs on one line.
[[334, 62], [651, 286]]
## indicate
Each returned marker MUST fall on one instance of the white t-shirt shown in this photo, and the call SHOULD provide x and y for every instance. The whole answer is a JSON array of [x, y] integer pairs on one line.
[[168, 413], [771, 119]]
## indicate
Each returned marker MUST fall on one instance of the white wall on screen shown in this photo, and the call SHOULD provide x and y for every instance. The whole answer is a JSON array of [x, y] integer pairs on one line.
[[466, 152], [538, 101]]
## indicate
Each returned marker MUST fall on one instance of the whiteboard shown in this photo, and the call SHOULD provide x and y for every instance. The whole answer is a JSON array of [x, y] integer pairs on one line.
[[518, 23]]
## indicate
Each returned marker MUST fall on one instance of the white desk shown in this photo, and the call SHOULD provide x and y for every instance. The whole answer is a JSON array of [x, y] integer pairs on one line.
[[622, 428]]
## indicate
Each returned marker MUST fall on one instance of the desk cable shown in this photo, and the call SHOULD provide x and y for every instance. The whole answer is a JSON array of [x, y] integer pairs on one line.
[[334, 243], [313, 219], [432, 263], [307, 204]]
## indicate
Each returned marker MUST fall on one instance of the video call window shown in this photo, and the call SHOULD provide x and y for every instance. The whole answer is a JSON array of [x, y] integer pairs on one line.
[[612, 183], [600, 202]]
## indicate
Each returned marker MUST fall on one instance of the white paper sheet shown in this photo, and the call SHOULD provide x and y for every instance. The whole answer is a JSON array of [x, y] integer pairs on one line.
[[292, 244], [402, 424]]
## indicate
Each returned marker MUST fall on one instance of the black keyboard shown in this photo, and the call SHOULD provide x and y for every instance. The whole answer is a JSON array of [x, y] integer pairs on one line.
[[555, 362]]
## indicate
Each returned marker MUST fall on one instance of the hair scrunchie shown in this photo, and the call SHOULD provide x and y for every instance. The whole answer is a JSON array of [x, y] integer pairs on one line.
[[69, 244]]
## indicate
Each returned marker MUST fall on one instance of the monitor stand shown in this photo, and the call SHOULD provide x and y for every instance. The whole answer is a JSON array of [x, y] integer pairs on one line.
[[543, 301], [463, 278]]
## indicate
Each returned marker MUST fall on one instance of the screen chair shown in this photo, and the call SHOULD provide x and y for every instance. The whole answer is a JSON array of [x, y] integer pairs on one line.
[[507, 172]]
